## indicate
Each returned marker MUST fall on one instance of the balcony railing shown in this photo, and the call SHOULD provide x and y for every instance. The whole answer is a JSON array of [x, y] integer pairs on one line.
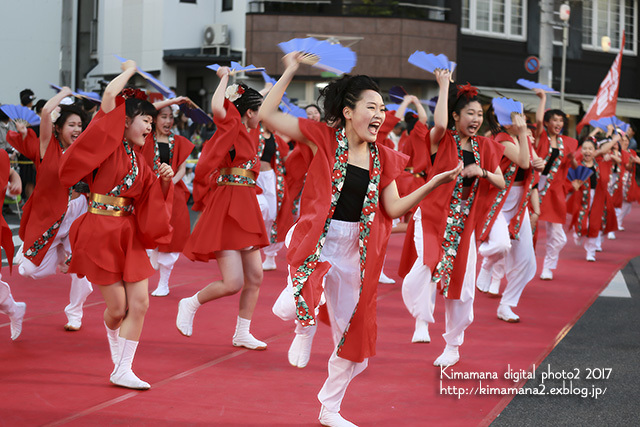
[[435, 10]]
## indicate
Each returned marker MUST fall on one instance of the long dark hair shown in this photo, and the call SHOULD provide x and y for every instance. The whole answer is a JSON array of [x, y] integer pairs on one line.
[[344, 92]]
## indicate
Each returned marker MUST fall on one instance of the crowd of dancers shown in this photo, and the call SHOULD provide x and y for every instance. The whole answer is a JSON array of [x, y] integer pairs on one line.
[[327, 187]]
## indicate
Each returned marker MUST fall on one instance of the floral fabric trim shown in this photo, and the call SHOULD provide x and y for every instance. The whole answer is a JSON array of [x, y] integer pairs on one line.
[[508, 178], [456, 218], [235, 179], [300, 277], [156, 152], [33, 250], [124, 185], [582, 226], [554, 167], [516, 221]]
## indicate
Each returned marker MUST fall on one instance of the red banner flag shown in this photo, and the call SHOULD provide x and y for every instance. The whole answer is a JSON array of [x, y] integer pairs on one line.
[[604, 104]]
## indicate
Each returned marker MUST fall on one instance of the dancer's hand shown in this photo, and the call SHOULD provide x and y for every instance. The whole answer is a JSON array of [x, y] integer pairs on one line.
[[442, 76], [165, 171], [519, 123], [292, 60], [576, 184], [129, 64], [537, 163], [21, 128], [472, 170], [448, 176]]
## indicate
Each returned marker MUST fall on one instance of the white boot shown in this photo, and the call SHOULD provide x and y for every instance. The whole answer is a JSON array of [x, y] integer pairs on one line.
[[123, 376], [15, 310], [80, 290], [186, 312], [385, 279], [300, 349], [333, 419], [243, 338], [421, 332], [449, 356], [112, 337], [163, 284], [269, 263], [494, 288]]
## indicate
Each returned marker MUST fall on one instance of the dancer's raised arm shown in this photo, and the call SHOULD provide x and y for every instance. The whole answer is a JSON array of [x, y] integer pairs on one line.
[[116, 85]]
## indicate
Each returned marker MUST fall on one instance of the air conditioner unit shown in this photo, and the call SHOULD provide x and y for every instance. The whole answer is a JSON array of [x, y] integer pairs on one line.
[[215, 35]]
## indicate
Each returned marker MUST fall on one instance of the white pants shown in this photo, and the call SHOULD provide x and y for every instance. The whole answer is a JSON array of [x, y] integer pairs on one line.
[[57, 254], [7, 303], [342, 291], [419, 292], [556, 239], [590, 244], [166, 259], [519, 260], [621, 212], [268, 202]]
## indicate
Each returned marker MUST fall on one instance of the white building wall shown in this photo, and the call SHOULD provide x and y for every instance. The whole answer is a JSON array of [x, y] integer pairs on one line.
[[30, 45]]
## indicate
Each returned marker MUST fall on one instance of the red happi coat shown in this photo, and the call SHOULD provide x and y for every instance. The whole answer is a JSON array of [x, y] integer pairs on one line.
[[315, 204], [296, 165], [390, 121], [231, 219], [630, 192], [6, 236], [108, 249], [414, 145], [490, 201], [435, 208], [601, 215], [180, 220], [553, 206], [44, 210]]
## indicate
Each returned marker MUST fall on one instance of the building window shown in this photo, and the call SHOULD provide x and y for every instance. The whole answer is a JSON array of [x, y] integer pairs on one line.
[[495, 18], [609, 18], [227, 5], [187, 1]]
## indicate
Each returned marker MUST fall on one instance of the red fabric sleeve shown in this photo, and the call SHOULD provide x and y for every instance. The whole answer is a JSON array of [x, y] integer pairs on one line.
[[29, 147], [393, 164], [94, 145], [6, 236], [390, 121]]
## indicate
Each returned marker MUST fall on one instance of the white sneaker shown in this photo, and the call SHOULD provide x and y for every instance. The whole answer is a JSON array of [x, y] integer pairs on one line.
[[385, 279], [611, 235], [16, 320], [421, 332], [300, 350], [505, 313], [248, 341], [546, 274], [591, 258], [269, 263], [73, 326], [333, 419], [449, 356], [186, 313]]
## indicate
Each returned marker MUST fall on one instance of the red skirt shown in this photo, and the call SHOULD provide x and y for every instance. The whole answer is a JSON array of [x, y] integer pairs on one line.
[[231, 220], [107, 249]]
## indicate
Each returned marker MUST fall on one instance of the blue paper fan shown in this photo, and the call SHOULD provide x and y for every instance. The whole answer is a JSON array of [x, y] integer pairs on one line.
[[91, 96], [322, 54], [394, 107], [620, 124], [157, 84], [195, 113], [503, 107], [397, 93], [581, 173], [603, 122], [431, 62], [288, 107], [58, 89], [18, 112], [268, 79], [533, 85], [236, 68]]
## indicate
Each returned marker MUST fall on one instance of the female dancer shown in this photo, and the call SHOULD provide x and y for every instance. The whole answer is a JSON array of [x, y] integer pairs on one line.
[[627, 191], [508, 241], [591, 204], [15, 310], [440, 246], [273, 200], [53, 206], [557, 151], [163, 146], [129, 210], [347, 204], [231, 228]]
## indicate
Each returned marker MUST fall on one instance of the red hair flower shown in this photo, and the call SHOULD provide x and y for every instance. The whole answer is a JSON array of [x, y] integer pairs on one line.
[[467, 90], [131, 92]]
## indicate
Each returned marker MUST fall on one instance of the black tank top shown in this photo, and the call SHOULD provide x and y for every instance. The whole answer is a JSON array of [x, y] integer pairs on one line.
[[468, 159], [554, 155], [269, 149], [164, 152], [354, 190]]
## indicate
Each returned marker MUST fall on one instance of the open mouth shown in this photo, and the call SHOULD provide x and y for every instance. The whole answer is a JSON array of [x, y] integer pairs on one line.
[[374, 128], [473, 129]]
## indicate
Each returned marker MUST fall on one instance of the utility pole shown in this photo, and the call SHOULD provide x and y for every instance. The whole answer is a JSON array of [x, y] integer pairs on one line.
[[66, 44], [545, 75]]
